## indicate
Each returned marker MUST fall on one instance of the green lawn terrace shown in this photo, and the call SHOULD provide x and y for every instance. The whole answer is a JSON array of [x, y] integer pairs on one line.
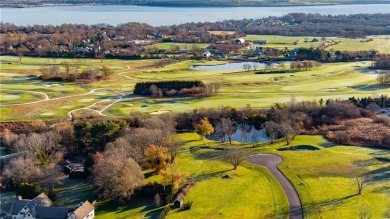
[[380, 43], [26, 97]]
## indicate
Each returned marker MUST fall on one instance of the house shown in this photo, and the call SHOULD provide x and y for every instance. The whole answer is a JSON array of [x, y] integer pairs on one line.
[[178, 202], [84, 211], [239, 41], [261, 42], [41, 207], [206, 54]]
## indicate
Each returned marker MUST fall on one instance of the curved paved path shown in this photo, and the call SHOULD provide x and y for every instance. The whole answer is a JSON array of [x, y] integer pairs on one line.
[[270, 161]]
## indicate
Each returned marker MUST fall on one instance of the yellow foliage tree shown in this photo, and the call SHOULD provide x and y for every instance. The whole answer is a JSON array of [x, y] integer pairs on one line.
[[157, 156], [204, 127], [173, 177]]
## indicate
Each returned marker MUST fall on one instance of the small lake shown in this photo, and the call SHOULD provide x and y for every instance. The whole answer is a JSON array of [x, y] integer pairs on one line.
[[246, 134], [157, 16], [229, 66]]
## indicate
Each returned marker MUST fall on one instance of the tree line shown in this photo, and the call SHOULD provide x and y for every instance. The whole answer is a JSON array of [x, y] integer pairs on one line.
[[176, 88], [107, 41]]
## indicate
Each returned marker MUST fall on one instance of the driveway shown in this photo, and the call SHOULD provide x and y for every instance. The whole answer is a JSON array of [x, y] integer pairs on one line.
[[270, 161]]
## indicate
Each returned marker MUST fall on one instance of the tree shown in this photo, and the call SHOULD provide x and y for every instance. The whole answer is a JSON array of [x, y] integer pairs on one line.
[[173, 177], [174, 145], [157, 157], [272, 130], [29, 191], [229, 128], [246, 66], [288, 132], [67, 65], [235, 157], [204, 128], [117, 179], [362, 181], [22, 170], [82, 134]]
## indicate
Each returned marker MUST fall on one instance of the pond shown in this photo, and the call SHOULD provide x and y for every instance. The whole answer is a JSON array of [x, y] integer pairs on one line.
[[244, 134], [230, 66]]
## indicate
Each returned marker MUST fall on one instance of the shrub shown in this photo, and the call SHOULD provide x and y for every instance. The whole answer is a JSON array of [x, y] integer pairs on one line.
[[341, 137], [29, 191], [188, 205]]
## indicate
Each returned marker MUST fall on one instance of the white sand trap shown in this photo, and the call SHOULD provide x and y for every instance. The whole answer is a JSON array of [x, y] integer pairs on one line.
[[159, 112], [130, 104], [47, 114], [10, 97], [51, 85], [330, 89], [66, 107], [86, 100]]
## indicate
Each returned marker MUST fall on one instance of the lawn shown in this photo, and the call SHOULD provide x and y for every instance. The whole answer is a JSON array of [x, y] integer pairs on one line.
[[238, 87], [213, 196], [378, 42], [324, 178]]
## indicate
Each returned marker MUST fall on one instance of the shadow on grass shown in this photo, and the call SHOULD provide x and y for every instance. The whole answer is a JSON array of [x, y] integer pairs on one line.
[[312, 208], [118, 208], [206, 176], [328, 144], [380, 174]]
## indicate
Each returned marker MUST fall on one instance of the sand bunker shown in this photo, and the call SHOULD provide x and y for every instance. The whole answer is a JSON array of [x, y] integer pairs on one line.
[[159, 112]]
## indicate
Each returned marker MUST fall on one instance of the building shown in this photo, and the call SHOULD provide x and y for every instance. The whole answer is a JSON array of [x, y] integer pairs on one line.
[[178, 202], [41, 207], [206, 54], [239, 41]]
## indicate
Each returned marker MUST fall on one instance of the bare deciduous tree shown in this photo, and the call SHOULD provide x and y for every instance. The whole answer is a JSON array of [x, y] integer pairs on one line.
[[117, 179], [362, 181], [235, 157], [22, 170]]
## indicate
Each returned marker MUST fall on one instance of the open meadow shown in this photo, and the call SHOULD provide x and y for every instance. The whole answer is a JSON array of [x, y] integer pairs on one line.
[[25, 97]]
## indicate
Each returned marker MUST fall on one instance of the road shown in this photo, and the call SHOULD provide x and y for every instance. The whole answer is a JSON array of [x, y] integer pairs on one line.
[[270, 161]]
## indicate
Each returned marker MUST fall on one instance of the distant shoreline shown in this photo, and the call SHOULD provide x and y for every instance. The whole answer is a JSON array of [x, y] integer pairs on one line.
[[182, 5]]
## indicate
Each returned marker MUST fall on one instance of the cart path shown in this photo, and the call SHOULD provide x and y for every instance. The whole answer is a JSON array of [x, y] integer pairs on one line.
[[270, 161]]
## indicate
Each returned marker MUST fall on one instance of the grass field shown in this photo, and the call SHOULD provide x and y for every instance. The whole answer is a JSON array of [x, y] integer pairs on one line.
[[238, 88], [378, 43]]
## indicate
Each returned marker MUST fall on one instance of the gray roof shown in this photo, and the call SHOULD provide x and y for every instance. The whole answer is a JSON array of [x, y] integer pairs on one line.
[[51, 212], [18, 205]]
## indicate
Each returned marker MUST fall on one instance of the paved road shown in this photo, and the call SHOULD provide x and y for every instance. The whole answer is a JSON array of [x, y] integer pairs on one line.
[[270, 161]]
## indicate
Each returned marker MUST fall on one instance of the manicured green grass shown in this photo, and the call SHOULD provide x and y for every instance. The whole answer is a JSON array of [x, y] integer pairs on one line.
[[213, 196], [238, 87], [378, 43], [324, 178]]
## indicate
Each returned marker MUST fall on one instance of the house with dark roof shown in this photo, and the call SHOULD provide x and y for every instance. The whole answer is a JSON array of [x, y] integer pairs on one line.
[[41, 207]]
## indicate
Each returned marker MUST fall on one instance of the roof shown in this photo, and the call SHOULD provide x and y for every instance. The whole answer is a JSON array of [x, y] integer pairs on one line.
[[51, 212], [83, 210], [18, 205], [40, 200]]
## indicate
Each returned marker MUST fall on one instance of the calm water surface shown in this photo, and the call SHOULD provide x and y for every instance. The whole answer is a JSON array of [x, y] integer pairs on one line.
[[117, 14]]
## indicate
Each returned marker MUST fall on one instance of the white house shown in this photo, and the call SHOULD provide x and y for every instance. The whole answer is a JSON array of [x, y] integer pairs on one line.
[[239, 41], [206, 54], [41, 207]]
